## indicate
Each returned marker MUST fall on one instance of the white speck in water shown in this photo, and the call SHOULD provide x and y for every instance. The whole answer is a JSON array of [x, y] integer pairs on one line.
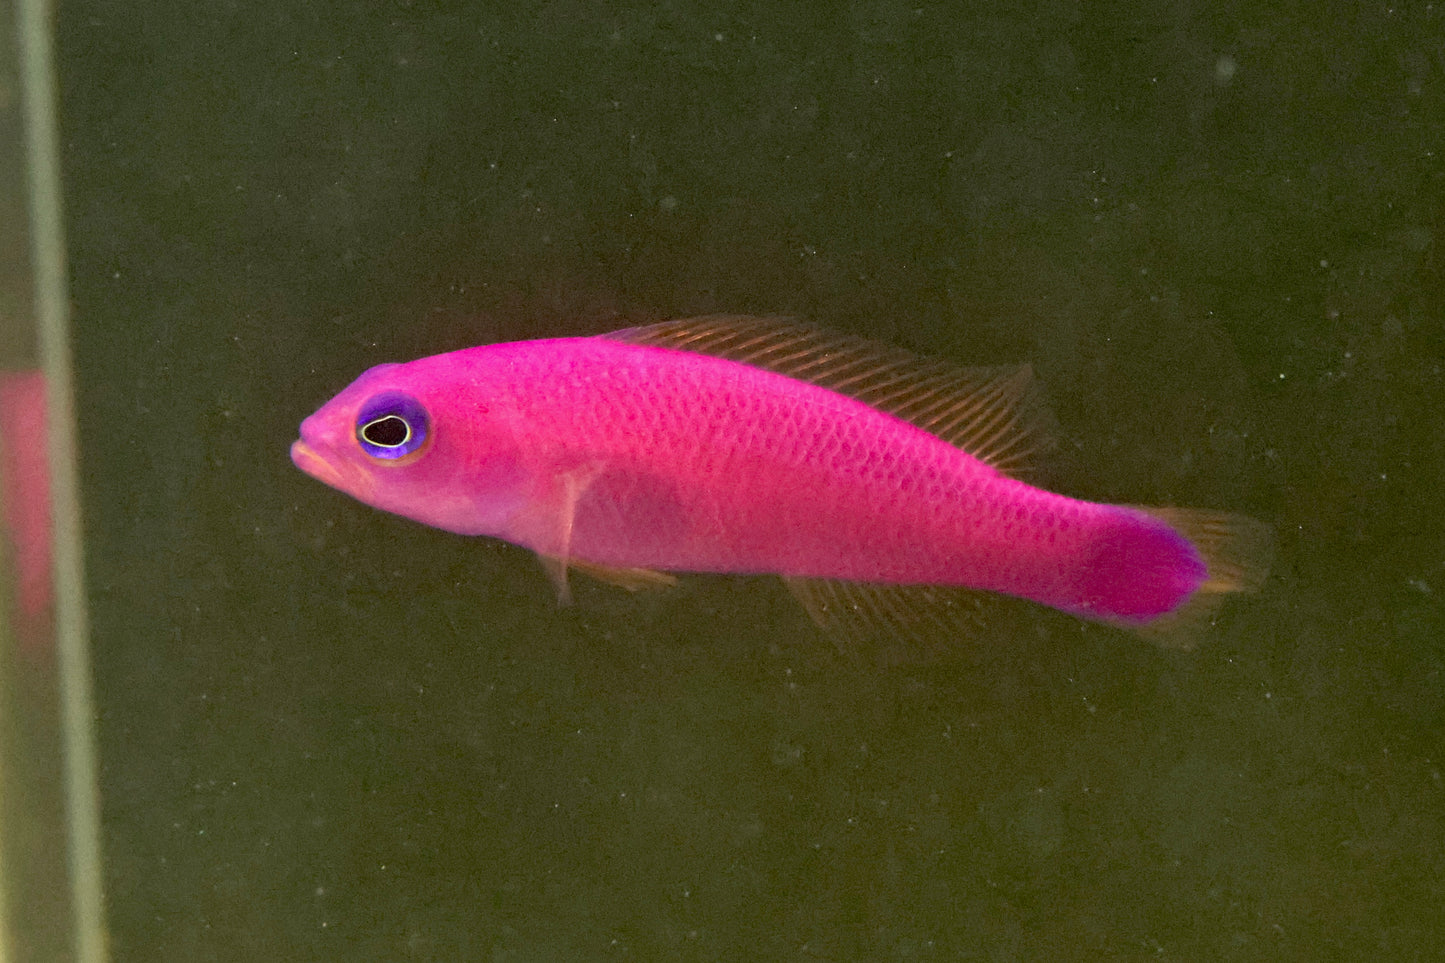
[[1224, 69]]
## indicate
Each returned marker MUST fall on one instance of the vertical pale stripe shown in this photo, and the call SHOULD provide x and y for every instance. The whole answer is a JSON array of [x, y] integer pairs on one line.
[[37, 72]]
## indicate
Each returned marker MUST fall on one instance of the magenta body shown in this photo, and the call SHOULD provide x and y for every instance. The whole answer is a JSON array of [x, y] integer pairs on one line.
[[626, 456]]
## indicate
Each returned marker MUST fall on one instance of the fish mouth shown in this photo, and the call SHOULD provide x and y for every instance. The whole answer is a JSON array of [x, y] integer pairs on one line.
[[304, 457]]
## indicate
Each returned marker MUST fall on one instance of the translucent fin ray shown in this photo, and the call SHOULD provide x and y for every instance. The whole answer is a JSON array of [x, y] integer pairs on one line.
[[632, 579], [993, 413], [573, 484], [911, 621], [1237, 552]]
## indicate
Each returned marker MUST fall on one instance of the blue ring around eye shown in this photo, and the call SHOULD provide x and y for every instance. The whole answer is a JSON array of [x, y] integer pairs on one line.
[[392, 425]]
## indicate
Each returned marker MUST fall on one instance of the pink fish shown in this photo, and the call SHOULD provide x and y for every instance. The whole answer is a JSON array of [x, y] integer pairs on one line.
[[25, 491], [875, 483]]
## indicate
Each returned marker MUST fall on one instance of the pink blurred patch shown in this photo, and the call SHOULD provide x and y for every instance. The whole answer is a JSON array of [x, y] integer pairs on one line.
[[25, 488]]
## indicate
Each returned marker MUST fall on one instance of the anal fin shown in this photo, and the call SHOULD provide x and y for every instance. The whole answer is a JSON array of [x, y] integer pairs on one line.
[[908, 622]]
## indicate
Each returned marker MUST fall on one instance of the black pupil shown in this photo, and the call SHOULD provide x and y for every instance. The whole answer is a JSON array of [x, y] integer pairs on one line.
[[388, 432]]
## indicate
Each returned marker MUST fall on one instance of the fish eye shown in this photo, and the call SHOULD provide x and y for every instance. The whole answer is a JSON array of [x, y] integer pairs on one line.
[[392, 425]]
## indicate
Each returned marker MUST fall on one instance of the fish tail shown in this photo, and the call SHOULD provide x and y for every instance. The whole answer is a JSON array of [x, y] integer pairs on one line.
[[1236, 550]]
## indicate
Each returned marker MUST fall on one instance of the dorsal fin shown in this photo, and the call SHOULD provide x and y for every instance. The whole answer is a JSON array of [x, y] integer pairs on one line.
[[995, 413]]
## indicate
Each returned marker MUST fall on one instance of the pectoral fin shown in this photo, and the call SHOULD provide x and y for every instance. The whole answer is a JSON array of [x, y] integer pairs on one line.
[[571, 485], [556, 570]]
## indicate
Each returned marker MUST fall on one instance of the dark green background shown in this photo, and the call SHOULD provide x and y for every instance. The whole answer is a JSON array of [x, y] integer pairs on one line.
[[331, 734]]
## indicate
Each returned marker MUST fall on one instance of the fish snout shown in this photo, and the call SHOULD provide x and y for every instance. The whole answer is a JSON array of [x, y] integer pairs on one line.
[[313, 463]]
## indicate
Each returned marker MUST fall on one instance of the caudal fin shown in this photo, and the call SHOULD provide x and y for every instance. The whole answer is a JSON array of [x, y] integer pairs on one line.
[[1237, 552]]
